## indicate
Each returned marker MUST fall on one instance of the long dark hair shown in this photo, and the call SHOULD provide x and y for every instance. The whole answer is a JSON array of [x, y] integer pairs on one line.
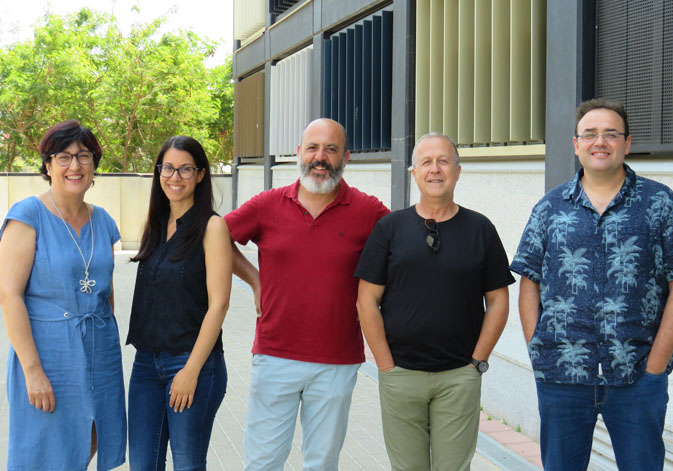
[[159, 205]]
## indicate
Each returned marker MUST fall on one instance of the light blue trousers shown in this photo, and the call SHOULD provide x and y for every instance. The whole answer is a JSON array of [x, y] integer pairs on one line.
[[278, 388]]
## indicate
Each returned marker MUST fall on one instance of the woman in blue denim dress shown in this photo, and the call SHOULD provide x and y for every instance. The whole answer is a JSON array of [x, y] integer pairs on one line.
[[64, 372], [179, 303]]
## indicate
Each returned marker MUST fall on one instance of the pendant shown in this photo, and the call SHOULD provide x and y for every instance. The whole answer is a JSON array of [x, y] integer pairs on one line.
[[86, 284]]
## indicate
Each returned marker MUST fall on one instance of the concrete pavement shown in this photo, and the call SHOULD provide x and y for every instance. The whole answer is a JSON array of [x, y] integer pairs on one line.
[[363, 448]]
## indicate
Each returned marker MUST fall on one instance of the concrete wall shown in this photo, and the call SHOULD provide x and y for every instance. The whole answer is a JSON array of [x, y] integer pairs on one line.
[[125, 197], [250, 182]]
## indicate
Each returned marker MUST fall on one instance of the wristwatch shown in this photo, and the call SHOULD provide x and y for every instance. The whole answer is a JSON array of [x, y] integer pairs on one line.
[[481, 366]]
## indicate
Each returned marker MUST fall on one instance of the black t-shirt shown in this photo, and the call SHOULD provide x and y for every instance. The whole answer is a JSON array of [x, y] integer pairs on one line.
[[433, 303], [170, 298]]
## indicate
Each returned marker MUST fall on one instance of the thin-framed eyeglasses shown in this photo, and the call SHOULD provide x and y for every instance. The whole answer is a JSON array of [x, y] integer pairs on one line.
[[64, 158], [186, 172], [609, 136], [432, 239]]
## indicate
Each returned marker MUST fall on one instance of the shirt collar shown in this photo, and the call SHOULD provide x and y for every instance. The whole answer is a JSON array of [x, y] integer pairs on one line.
[[343, 197], [184, 220], [574, 190]]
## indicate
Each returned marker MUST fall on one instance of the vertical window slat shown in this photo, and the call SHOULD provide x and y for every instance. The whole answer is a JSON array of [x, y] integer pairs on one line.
[[482, 72], [520, 36], [465, 72], [422, 67]]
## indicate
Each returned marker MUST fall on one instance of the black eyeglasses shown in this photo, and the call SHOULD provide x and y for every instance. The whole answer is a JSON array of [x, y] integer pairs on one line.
[[64, 158], [432, 238], [185, 172]]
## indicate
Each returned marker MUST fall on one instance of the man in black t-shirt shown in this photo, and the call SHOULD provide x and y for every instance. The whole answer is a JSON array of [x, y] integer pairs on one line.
[[425, 273]]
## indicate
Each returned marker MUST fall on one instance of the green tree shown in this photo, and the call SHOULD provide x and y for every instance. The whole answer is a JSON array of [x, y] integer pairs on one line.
[[133, 91], [222, 89]]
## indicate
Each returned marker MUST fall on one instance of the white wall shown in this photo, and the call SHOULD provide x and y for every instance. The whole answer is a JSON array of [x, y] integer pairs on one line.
[[250, 182]]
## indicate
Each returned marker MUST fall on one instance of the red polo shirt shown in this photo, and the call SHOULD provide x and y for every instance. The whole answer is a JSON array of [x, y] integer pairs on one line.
[[306, 269]]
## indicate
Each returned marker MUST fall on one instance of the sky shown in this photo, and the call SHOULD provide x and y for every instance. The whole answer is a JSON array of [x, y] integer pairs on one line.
[[211, 19]]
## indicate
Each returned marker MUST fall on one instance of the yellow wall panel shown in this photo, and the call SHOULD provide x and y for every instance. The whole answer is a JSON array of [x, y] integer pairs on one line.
[[520, 36], [482, 71], [538, 68], [450, 79], [465, 72], [422, 67], [500, 70], [436, 64]]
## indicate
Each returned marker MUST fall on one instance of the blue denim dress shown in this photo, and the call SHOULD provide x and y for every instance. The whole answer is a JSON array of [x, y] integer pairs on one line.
[[77, 340]]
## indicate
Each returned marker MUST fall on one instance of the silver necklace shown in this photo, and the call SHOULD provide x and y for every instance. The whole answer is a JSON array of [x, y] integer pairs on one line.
[[86, 284]]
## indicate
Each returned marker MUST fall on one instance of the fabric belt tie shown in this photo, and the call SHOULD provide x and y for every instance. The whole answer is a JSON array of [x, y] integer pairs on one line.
[[97, 318], [98, 323]]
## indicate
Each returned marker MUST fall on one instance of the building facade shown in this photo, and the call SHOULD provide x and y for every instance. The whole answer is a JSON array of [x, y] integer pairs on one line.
[[502, 77]]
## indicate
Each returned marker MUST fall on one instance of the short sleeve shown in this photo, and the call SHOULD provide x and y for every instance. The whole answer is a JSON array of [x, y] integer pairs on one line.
[[380, 210], [373, 263], [497, 274], [530, 254], [244, 222], [111, 226], [25, 211], [667, 236]]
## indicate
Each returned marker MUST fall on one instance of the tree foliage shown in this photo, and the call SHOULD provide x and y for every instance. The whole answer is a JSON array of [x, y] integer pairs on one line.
[[133, 92]]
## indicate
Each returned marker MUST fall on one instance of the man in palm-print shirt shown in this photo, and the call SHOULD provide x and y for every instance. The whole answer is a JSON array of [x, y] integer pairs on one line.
[[596, 266]]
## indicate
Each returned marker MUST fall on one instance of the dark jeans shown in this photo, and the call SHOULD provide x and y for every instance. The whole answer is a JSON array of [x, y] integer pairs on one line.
[[634, 416], [152, 423]]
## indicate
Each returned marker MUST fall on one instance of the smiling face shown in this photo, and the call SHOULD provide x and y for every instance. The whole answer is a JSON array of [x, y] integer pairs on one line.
[[176, 188], [322, 156], [436, 171], [604, 157], [75, 179]]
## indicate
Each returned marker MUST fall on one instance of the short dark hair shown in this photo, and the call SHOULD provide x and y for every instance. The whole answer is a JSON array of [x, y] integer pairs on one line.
[[159, 205], [59, 137], [601, 103]]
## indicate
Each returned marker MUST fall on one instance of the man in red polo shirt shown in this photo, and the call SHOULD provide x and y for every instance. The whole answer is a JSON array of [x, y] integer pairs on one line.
[[308, 344]]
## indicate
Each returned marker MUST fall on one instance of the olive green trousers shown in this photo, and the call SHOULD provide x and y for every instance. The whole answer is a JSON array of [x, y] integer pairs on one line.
[[430, 420]]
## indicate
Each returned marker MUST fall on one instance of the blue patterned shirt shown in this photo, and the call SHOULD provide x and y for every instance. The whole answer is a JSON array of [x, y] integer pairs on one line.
[[603, 280]]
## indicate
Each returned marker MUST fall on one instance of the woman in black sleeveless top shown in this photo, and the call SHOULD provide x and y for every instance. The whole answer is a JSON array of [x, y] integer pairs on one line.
[[180, 300]]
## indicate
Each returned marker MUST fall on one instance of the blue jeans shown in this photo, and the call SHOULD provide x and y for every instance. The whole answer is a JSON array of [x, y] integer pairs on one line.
[[152, 423], [633, 414], [278, 389]]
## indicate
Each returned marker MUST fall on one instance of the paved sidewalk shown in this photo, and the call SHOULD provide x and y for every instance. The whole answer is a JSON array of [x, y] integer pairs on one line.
[[363, 449]]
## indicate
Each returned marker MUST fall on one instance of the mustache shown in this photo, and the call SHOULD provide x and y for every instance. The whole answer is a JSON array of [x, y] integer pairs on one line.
[[324, 164]]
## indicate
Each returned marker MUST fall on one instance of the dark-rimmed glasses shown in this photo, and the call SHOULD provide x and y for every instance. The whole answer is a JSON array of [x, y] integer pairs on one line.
[[609, 136], [64, 158], [432, 239], [185, 172]]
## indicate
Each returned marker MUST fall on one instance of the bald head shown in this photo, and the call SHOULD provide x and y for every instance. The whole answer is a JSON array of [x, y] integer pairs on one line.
[[327, 126]]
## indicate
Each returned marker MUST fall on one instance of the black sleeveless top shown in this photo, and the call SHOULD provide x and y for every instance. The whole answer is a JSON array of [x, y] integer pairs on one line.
[[170, 298]]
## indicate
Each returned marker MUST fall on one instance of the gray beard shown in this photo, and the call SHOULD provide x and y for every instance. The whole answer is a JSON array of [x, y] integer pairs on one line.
[[321, 187]]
